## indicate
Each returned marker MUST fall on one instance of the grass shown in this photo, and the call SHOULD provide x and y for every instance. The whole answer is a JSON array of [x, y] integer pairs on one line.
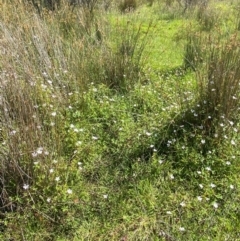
[[109, 128]]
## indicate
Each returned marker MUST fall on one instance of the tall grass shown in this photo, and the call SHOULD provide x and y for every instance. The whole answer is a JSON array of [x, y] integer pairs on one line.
[[214, 57], [47, 62]]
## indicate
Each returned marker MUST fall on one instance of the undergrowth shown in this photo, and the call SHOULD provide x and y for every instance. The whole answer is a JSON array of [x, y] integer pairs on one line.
[[115, 128]]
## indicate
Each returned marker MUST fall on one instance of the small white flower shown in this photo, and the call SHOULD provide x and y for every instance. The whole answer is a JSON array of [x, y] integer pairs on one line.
[[212, 185], [57, 179], [199, 172], [13, 132], [54, 114], [228, 163], [48, 199], [201, 186], [34, 154], [183, 204], [199, 198], [182, 229], [233, 142], [162, 233], [25, 186], [105, 196], [222, 125], [169, 212], [151, 146], [171, 176], [160, 161], [95, 138], [208, 168], [203, 141], [231, 186], [51, 170], [148, 133], [39, 150], [69, 191], [215, 205]]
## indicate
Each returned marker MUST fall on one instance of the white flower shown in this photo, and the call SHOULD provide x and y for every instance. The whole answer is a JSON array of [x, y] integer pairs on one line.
[[25, 186], [233, 142], [160, 161], [199, 198], [48, 199], [51, 170], [169, 212], [105, 196], [57, 179], [69, 191], [228, 163], [231, 186], [148, 133], [95, 138], [171, 176], [212, 185], [39, 150], [215, 205], [183, 204], [13, 132], [182, 229], [208, 168], [34, 154], [201, 186], [54, 114], [203, 141]]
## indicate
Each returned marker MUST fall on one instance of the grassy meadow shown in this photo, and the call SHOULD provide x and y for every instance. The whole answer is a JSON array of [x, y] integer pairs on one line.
[[119, 120]]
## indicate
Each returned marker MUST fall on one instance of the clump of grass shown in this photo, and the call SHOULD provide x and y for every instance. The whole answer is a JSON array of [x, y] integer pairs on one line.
[[215, 60], [193, 55], [207, 17], [219, 78], [127, 5]]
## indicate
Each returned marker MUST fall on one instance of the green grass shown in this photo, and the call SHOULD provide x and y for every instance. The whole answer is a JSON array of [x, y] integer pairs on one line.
[[116, 138]]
